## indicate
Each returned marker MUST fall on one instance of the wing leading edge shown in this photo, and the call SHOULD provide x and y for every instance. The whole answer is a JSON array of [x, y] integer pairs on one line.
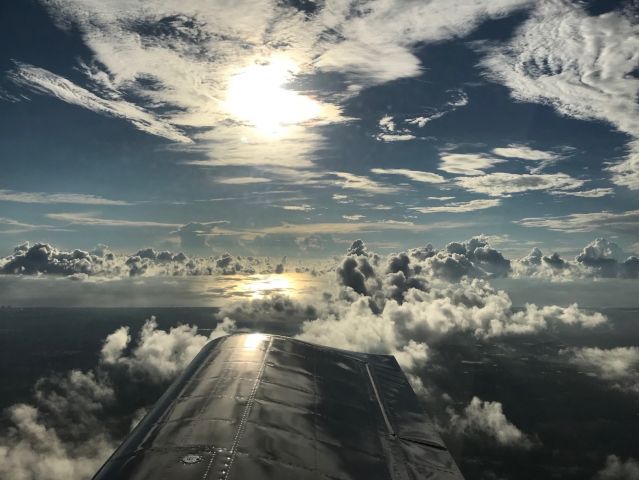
[[257, 407]]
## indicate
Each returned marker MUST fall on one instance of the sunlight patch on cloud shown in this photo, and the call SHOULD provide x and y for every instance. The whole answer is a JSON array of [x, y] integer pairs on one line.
[[256, 95]]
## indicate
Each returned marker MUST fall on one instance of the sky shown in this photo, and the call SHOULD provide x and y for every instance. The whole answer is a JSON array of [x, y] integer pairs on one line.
[[450, 182], [293, 127]]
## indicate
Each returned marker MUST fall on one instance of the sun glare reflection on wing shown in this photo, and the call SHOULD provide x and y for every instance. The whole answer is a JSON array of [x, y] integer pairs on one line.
[[254, 340], [256, 95]]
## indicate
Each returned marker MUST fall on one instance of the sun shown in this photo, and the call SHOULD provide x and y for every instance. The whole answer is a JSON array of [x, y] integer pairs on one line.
[[256, 95]]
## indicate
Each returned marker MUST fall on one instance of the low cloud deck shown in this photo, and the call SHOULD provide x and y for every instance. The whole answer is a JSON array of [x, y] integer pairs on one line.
[[253, 406]]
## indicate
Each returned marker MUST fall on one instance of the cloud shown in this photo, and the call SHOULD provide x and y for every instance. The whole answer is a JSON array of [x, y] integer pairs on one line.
[[460, 99], [79, 218], [40, 197], [618, 469], [459, 207], [467, 163], [441, 198], [422, 120], [488, 419], [43, 81], [390, 29], [33, 451], [163, 70], [60, 435], [241, 180], [390, 132], [414, 175], [311, 242], [617, 366], [502, 184], [237, 144], [615, 222], [42, 258], [580, 64], [399, 304], [158, 356], [195, 236], [73, 422], [384, 303], [601, 258], [352, 227], [365, 184], [592, 193], [600, 251], [525, 153], [11, 226], [474, 258], [298, 208]]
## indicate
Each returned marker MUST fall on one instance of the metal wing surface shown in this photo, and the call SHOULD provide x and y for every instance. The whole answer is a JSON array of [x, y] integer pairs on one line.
[[253, 407]]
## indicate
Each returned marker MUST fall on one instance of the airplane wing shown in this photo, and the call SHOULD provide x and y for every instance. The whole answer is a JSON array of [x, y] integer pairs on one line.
[[257, 407]]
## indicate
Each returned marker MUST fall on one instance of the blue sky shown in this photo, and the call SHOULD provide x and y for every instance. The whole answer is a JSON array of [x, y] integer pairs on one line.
[[291, 128]]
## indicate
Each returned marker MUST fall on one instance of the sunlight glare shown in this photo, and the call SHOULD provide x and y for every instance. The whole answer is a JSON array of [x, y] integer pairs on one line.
[[256, 95], [270, 284], [254, 340]]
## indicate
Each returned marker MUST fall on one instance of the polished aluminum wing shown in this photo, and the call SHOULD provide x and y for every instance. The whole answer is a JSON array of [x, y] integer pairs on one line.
[[253, 407]]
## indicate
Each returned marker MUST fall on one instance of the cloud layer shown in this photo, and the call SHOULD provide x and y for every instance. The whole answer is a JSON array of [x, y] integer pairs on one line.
[[402, 304], [581, 65], [474, 258]]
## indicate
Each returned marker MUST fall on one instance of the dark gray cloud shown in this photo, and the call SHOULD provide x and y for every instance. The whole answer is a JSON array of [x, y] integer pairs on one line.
[[619, 469], [43, 258], [473, 258]]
